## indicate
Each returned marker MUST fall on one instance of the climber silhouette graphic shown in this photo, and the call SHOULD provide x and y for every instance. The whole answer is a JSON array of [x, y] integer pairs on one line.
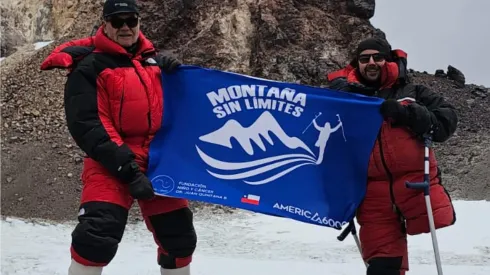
[[323, 137]]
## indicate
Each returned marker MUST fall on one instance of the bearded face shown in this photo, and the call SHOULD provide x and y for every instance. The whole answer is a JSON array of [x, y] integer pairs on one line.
[[370, 64]]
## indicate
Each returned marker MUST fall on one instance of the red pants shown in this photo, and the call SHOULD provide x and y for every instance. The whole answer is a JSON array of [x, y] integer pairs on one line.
[[385, 244], [103, 215]]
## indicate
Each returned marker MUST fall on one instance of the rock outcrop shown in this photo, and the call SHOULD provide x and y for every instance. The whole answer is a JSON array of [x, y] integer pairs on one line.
[[26, 22], [456, 75], [296, 41]]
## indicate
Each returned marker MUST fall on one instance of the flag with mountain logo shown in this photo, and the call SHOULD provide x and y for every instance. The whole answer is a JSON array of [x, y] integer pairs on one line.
[[271, 147]]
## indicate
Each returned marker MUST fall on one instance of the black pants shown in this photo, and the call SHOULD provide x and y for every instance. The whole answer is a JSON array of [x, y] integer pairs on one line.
[[101, 226]]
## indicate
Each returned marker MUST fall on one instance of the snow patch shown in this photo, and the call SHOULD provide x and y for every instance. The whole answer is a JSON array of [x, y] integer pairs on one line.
[[42, 44], [249, 243]]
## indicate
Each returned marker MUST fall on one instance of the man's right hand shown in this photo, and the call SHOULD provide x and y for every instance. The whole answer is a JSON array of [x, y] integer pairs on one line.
[[338, 84], [167, 63], [341, 84], [140, 187]]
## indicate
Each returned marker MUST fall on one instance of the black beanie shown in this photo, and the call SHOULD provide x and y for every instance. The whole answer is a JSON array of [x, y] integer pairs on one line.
[[374, 44]]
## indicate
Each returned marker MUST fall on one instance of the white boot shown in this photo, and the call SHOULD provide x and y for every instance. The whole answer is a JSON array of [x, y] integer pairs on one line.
[[186, 270], [78, 269]]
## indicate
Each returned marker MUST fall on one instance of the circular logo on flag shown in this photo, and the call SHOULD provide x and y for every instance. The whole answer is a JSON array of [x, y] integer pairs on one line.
[[163, 184]]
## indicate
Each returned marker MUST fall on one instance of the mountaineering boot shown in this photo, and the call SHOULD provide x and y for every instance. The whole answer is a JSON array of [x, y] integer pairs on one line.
[[186, 270], [78, 269], [385, 266]]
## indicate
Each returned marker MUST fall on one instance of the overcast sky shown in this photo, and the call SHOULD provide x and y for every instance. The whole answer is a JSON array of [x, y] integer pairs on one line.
[[438, 33]]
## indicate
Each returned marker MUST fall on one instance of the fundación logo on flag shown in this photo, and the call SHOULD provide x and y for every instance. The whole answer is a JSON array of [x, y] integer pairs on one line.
[[251, 199]]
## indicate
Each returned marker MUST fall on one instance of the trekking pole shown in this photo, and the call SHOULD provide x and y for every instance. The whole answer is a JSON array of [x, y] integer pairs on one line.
[[426, 186], [351, 228]]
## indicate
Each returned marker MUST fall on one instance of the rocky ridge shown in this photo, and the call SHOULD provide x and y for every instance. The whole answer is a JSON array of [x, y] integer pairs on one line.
[[295, 41], [464, 158], [24, 22]]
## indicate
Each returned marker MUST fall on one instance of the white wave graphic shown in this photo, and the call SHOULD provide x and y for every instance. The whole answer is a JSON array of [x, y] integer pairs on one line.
[[248, 164], [265, 165], [264, 124], [278, 175]]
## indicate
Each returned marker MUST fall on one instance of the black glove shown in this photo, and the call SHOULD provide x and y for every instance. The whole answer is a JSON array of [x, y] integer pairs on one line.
[[361, 89], [393, 111], [167, 63], [140, 186], [341, 84], [338, 84], [414, 116]]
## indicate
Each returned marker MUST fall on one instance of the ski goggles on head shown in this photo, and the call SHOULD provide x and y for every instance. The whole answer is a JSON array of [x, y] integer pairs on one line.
[[118, 22], [377, 57]]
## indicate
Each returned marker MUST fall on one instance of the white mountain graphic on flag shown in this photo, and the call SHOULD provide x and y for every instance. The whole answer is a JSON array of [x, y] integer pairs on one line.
[[261, 128], [255, 171]]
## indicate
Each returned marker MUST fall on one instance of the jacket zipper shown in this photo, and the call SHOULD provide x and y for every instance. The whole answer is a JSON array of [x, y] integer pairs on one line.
[[388, 173], [149, 105], [149, 118], [120, 114], [390, 177]]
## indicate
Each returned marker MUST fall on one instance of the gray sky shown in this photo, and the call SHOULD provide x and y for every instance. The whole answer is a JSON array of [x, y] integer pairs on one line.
[[438, 33]]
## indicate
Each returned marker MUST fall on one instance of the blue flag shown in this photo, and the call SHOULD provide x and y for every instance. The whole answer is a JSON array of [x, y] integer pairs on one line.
[[271, 147]]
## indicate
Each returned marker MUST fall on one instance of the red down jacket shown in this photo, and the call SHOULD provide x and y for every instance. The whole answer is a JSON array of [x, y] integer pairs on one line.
[[398, 157], [113, 102]]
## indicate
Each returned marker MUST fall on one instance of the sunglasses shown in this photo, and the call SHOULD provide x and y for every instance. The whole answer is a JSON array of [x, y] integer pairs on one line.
[[377, 57], [118, 22]]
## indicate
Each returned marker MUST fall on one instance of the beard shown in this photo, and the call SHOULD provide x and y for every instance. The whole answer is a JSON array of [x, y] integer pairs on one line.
[[372, 72]]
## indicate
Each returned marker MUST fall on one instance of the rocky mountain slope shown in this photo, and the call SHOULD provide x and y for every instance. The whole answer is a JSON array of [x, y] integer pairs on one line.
[[24, 22], [296, 41]]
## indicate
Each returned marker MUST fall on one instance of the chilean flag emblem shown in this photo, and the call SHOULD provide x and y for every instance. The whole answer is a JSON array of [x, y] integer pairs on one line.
[[251, 199]]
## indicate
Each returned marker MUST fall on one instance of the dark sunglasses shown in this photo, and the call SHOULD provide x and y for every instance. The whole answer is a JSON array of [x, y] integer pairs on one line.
[[118, 22], [377, 57]]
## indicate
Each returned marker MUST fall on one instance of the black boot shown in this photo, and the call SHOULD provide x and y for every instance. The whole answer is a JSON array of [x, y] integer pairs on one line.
[[385, 266]]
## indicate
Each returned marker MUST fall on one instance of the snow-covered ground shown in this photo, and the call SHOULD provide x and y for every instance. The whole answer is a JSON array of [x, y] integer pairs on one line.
[[248, 243]]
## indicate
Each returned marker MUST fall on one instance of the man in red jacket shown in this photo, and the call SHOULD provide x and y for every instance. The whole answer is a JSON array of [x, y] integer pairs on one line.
[[390, 210], [114, 105]]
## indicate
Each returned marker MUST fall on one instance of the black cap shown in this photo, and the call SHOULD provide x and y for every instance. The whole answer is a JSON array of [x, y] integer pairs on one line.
[[374, 43], [112, 7]]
